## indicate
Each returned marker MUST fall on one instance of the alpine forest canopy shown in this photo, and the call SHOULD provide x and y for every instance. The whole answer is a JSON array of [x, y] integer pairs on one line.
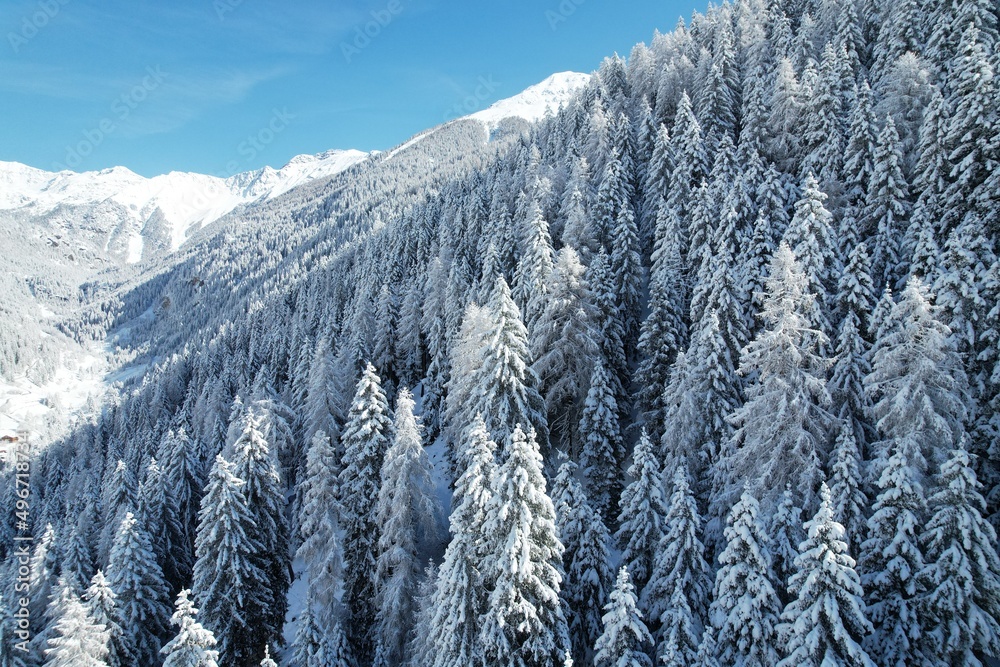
[[701, 369]]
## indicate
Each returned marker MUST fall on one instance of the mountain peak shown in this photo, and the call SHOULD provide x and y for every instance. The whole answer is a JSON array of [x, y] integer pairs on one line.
[[535, 101]]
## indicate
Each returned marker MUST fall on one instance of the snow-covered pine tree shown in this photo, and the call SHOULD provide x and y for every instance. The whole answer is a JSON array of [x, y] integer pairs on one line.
[[745, 607], [78, 640], [534, 266], [585, 563], [365, 440], [962, 602], [642, 512], [504, 385], [320, 549], [183, 480], [679, 569], [102, 607], [407, 517], [918, 385], [785, 530], [891, 562], [321, 410], [255, 464], [887, 207], [141, 594], [825, 622], [309, 642], [781, 429], [460, 593], [524, 622], [602, 442], [624, 641], [809, 237], [193, 645], [563, 343], [850, 504], [227, 579]]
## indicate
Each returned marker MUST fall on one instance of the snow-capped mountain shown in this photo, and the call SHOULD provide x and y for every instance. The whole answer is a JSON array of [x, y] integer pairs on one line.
[[163, 209], [535, 101]]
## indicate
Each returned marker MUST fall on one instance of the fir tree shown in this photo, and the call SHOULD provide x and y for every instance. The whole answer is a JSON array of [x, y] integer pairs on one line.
[[102, 608], [602, 441], [887, 209], [255, 464], [320, 548], [679, 569], [780, 430], [141, 594], [193, 645], [825, 622], [847, 486], [963, 570], [585, 562], [460, 594], [227, 578], [78, 640], [406, 514], [524, 622], [745, 608], [891, 562], [625, 640], [642, 513], [365, 440]]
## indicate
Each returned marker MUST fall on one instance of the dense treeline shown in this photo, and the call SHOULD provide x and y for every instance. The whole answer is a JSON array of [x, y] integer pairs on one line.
[[711, 356]]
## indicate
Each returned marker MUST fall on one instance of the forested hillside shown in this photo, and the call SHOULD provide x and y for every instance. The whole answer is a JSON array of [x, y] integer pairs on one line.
[[701, 369]]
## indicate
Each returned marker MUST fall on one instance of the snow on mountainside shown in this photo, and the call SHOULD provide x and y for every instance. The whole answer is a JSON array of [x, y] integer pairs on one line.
[[171, 204], [534, 102]]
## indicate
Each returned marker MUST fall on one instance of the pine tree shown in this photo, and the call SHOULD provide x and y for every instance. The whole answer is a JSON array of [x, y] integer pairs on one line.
[[825, 622], [602, 441], [102, 608], [534, 266], [963, 570], [255, 464], [338, 649], [460, 594], [78, 640], [745, 607], [193, 645], [780, 430], [891, 562], [524, 622], [563, 344], [917, 384], [320, 549], [585, 563], [406, 515], [625, 640], [183, 480], [137, 580], [309, 638], [847, 486], [887, 208], [227, 578], [365, 440], [785, 529], [809, 237], [678, 590], [321, 412], [642, 512]]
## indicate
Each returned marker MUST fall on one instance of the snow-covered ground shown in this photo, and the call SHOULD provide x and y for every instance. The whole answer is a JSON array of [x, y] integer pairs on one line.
[[48, 410], [535, 101]]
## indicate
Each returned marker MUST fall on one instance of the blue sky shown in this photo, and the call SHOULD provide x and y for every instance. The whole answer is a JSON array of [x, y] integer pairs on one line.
[[184, 84]]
